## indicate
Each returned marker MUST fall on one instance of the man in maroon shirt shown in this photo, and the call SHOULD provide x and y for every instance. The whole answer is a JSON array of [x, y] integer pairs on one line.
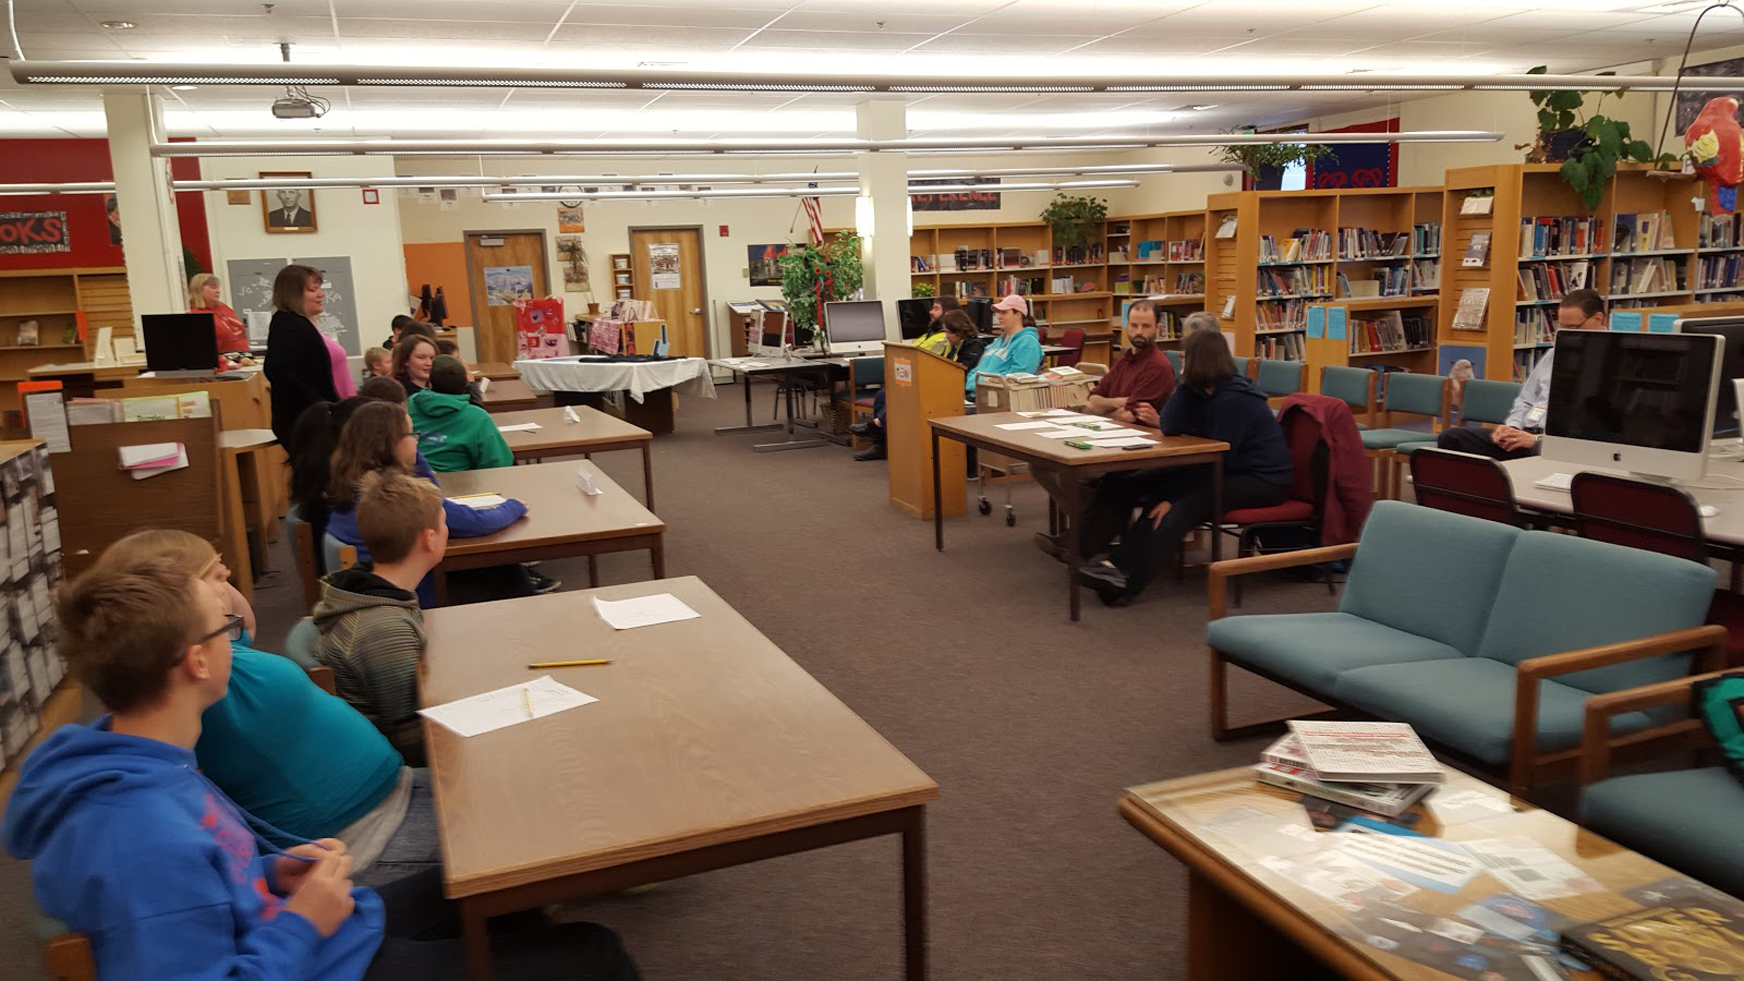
[[1133, 391]]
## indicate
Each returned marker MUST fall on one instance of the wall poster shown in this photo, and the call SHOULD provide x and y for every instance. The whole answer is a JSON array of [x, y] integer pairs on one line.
[[663, 265]]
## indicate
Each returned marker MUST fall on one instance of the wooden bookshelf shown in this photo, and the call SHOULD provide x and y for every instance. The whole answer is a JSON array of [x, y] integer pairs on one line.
[[1162, 257], [623, 274], [54, 299]]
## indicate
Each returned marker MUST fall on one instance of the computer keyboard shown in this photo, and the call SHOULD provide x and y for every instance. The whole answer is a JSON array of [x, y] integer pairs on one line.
[[1556, 481]]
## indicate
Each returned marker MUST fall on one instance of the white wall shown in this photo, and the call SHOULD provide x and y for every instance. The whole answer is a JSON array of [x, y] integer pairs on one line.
[[369, 234]]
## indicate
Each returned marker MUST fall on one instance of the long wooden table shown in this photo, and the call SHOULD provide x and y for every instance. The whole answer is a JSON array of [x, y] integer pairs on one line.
[[508, 395], [708, 747], [561, 521], [1073, 465], [496, 371], [1727, 493], [596, 432], [1248, 916]]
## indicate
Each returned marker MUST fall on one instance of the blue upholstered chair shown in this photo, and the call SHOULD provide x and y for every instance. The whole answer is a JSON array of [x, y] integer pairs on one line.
[[1280, 378], [1487, 639], [1482, 401], [1354, 387], [1174, 356], [1421, 396]]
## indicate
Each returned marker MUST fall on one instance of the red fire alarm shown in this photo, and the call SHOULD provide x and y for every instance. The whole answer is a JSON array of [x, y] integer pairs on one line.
[[723, 231], [371, 196]]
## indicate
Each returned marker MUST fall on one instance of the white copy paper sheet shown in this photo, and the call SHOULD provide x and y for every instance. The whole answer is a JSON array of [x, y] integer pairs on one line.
[[480, 501], [507, 706], [520, 427], [1121, 442], [145, 454], [643, 611], [1061, 433], [1025, 425], [180, 461]]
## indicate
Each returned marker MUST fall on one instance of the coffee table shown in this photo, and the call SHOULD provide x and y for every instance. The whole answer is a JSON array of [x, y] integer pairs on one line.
[[1249, 915]]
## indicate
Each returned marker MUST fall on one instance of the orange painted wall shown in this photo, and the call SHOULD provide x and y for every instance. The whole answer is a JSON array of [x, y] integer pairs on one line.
[[441, 264]]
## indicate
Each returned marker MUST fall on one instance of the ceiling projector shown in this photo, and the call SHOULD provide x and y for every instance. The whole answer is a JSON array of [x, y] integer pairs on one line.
[[296, 107]]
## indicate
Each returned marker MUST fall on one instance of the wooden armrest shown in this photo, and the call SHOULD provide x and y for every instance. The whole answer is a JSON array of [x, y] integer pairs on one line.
[[1708, 642], [1596, 731], [1222, 570]]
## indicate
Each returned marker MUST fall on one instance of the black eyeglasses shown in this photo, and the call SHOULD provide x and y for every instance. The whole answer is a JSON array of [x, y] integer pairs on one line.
[[232, 626]]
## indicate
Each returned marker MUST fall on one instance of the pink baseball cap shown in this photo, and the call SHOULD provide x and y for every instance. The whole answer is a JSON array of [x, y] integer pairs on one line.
[[1013, 301]]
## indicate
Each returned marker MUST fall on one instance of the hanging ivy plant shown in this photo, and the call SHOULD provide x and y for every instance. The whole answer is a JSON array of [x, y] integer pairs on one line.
[[1074, 220], [1267, 156], [812, 275], [1593, 143]]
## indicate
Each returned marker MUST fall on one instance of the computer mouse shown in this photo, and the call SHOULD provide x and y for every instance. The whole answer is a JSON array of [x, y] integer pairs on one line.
[[1707, 510]]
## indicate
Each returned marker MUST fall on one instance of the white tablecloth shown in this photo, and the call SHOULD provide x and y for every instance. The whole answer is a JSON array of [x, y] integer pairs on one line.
[[688, 375]]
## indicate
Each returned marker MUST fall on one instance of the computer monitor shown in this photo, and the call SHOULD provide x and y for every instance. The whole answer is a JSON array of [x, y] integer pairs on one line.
[[914, 316], [980, 311], [855, 326], [180, 345], [1727, 431], [1643, 403]]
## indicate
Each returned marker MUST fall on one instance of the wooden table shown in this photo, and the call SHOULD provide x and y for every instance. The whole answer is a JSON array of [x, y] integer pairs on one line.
[[982, 431], [1245, 919], [827, 370], [1726, 527], [597, 432], [496, 371], [82, 378], [244, 483], [508, 395], [561, 521], [708, 747]]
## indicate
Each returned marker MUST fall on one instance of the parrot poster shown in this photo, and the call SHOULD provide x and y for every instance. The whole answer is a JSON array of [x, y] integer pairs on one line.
[[1716, 146]]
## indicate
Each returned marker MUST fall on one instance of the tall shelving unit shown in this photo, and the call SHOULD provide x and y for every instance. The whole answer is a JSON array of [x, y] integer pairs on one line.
[[1160, 256], [1021, 257], [55, 300]]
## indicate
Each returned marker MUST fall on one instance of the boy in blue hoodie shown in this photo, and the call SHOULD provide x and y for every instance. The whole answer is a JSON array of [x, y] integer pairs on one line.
[[130, 844]]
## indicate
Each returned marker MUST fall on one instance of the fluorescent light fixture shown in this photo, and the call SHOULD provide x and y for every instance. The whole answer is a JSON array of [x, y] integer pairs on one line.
[[719, 192], [992, 88], [88, 187], [183, 80], [863, 217], [1201, 87], [755, 87], [1359, 87], [517, 83]]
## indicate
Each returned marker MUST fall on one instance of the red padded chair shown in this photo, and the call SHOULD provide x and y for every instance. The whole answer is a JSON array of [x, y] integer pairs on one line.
[[1659, 518], [1463, 483], [1072, 337]]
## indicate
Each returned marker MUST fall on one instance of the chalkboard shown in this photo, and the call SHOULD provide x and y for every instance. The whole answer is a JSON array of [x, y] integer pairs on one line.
[[251, 283]]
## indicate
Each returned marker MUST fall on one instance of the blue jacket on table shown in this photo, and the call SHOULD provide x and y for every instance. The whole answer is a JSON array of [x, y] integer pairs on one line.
[[1236, 413], [463, 522], [130, 844]]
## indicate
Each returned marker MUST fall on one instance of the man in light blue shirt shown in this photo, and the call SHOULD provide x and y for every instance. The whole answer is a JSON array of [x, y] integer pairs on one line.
[[1518, 435]]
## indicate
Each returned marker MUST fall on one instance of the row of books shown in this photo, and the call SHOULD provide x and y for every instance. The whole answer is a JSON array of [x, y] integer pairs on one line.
[[1021, 285], [1426, 275], [1281, 315], [1717, 231], [1553, 280], [1719, 271], [1426, 238], [1534, 325], [1178, 283], [1386, 281], [1643, 232], [1526, 359], [1541, 237], [1182, 250], [1296, 281], [1653, 275], [964, 289], [1391, 332], [1303, 245], [1367, 243], [1282, 347]]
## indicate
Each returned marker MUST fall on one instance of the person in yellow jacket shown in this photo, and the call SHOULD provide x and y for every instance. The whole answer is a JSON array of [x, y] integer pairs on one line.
[[935, 339]]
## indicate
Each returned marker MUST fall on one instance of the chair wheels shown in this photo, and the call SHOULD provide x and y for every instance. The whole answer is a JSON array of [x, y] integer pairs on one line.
[[1010, 517], [986, 506]]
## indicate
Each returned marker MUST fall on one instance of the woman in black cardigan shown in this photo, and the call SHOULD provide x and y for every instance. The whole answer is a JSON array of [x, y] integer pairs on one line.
[[298, 366]]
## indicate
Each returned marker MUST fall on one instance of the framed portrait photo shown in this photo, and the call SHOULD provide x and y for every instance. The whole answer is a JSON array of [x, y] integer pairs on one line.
[[289, 209]]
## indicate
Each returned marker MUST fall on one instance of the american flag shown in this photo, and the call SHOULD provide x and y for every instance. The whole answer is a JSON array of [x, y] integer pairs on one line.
[[814, 217]]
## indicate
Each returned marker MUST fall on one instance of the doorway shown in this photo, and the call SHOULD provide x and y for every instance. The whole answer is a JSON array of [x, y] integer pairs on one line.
[[501, 266], [667, 263]]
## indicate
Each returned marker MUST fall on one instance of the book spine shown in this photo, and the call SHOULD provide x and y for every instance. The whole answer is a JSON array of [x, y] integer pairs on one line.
[[1574, 946], [1334, 794]]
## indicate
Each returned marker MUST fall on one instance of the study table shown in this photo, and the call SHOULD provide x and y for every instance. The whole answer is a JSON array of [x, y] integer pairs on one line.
[[508, 395], [495, 370], [1250, 853], [590, 379], [709, 747], [1725, 492], [561, 520], [829, 369], [595, 432], [1073, 465]]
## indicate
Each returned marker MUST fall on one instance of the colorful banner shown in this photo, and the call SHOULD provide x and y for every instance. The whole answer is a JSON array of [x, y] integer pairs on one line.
[[539, 329], [34, 231], [958, 200]]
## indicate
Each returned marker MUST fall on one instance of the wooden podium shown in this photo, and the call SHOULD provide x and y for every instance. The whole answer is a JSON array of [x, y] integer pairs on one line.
[[918, 386]]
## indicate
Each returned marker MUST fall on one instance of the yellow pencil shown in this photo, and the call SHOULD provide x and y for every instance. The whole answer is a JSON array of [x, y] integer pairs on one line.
[[567, 664]]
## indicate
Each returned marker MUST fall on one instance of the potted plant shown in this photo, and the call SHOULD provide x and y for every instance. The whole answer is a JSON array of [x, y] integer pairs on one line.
[[1590, 145], [1074, 219], [812, 275], [1260, 157], [924, 290]]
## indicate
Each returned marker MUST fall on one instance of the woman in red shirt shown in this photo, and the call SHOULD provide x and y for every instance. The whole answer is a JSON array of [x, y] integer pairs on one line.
[[203, 298]]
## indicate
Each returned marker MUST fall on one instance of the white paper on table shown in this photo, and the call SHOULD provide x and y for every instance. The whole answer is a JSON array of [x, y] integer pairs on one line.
[[1067, 415], [1060, 433], [181, 461], [1121, 442], [1105, 428], [643, 611], [520, 427], [1531, 870], [479, 502], [48, 420], [569, 414], [584, 480], [506, 706], [148, 454], [1025, 425]]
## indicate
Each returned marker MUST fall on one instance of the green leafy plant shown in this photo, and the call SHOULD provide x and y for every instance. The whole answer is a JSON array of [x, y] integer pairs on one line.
[[1264, 156], [1599, 142], [924, 290], [1074, 220], [812, 275]]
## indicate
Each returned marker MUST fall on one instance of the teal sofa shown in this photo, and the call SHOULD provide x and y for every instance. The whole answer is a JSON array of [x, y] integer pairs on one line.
[[1487, 639]]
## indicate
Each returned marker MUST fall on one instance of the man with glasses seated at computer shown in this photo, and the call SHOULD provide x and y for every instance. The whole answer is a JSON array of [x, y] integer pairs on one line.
[[1518, 435]]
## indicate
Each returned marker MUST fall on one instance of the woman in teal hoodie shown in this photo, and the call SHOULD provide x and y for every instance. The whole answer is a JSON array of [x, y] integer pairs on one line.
[[454, 434], [1018, 348]]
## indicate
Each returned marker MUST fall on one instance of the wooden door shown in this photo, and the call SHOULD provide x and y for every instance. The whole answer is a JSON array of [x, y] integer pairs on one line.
[[497, 270], [679, 296]]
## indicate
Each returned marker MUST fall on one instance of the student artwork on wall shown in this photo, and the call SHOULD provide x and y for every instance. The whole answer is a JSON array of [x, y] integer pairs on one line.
[[571, 220], [764, 263], [287, 209], [503, 285], [572, 257]]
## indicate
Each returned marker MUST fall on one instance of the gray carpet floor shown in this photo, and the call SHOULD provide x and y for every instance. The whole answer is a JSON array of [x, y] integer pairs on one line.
[[965, 661]]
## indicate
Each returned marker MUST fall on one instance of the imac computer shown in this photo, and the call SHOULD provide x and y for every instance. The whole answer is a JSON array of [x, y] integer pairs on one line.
[[1728, 440], [180, 345], [855, 327], [1642, 403], [980, 311], [914, 316]]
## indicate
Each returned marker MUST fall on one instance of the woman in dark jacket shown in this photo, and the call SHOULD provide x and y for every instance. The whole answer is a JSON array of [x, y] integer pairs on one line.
[[298, 366], [1212, 402]]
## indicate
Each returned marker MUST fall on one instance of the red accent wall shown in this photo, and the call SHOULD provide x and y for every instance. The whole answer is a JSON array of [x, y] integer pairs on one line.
[[56, 161]]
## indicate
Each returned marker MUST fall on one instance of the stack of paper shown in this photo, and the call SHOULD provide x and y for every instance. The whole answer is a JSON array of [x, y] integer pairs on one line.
[[151, 459], [520, 427]]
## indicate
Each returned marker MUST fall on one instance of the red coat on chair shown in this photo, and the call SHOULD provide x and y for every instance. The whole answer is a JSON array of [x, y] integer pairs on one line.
[[1351, 494]]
